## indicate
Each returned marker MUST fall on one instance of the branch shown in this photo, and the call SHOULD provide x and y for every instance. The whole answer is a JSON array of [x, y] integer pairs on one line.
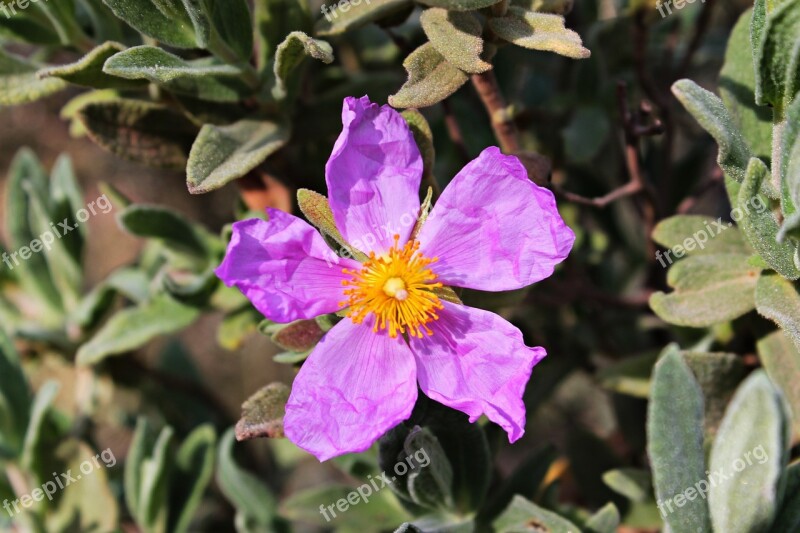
[[503, 124]]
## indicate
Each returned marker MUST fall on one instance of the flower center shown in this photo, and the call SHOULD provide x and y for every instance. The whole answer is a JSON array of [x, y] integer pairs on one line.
[[397, 287]]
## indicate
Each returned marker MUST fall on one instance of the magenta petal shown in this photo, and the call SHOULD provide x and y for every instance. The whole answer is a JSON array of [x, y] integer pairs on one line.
[[477, 362], [493, 229], [353, 388], [373, 176], [284, 268]]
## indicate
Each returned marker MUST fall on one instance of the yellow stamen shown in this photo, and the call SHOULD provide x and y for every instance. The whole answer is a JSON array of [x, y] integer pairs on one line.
[[398, 288]]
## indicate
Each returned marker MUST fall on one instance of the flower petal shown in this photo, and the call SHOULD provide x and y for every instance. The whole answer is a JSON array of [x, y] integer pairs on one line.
[[284, 268], [493, 229], [373, 176], [353, 388], [477, 362]]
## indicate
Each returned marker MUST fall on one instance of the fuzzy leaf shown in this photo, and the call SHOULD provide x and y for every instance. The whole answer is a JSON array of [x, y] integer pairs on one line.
[[255, 504], [522, 515], [149, 133], [636, 485], [789, 165], [539, 31], [15, 397], [163, 20], [457, 36], [429, 486], [193, 470], [88, 70], [291, 53], [681, 230], [460, 5], [222, 27], [274, 20], [737, 84], [298, 336], [788, 519], [131, 328], [379, 513], [19, 83], [223, 153], [317, 210], [675, 440], [166, 225], [760, 226], [776, 52], [262, 413], [198, 78], [36, 421], [423, 136], [431, 79], [353, 15], [752, 435], [781, 360], [606, 520], [779, 300], [718, 375], [708, 289], [710, 112]]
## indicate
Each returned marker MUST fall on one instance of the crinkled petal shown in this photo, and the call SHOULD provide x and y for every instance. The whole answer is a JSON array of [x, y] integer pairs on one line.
[[373, 176], [493, 229], [353, 388], [477, 362], [284, 268]]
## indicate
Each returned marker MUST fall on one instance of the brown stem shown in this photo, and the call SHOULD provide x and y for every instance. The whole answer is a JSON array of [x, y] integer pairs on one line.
[[503, 124], [454, 131]]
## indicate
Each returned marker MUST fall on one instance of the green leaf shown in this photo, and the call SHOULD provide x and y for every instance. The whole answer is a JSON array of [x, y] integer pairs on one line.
[[153, 508], [718, 375], [36, 420], [26, 174], [460, 5], [760, 226], [431, 79], [606, 520], [88, 70], [132, 328], [423, 136], [193, 470], [163, 20], [166, 225], [781, 360], [291, 53], [787, 170], [750, 451], [62, 17], [710, 236], [429, 485], [539, 31], [522, 515], [559, 7], [221, 154], [776, 53], [133, 465], [254, 502], [352, 15], [634, 484], [375, 512], [779, 300], [237, 326], [675, 440], [199, 78], [15, 397], [709, 289], [30, 26], [141, 131], [710, 112], [629, 376], [318, 211], [223, 28], [105, 26], [19, 83], [737, 84], [262, 413], [788, 519], [457, 36], [275, 19]]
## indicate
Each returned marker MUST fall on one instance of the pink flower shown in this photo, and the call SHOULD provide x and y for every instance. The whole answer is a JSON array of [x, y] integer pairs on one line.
[[492, 229]]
